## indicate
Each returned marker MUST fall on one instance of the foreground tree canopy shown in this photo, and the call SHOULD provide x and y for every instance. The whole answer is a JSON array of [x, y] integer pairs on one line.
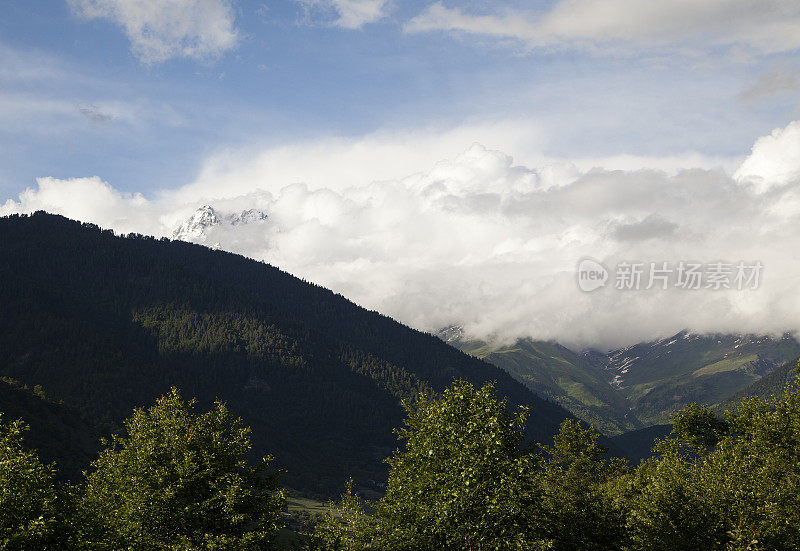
[[180, 481], [463, 479], [28, 518]]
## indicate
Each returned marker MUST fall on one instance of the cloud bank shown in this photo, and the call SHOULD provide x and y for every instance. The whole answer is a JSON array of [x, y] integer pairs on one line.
[[766, 26], [487, 242], [165, 29]]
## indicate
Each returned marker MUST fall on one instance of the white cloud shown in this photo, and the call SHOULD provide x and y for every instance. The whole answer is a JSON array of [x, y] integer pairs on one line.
[[86, 199], [163, 29], [30, 114], [338, 163], [349, 14], [438, 17], [774, 161], [767, 26], [483, 240]]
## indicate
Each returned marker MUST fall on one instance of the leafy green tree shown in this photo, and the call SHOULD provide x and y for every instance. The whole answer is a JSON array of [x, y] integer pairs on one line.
[[346, 526], [731, 485], [179, 480], [461, 481], [697, 427], [28, 502], [669, 507], [753, 475], [578, 513]]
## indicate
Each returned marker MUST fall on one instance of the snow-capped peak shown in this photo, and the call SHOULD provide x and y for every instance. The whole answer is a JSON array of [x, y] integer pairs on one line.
[[197, 226]]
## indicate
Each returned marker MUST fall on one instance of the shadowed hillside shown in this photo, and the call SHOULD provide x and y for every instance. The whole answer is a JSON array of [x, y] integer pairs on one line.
[[58, 432], [107, 323]]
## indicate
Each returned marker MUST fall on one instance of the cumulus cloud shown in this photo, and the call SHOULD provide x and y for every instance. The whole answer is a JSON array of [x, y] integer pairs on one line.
[[774, 160], [85, 199], [337, 163], [767, 26], [163, 29], [485, 241], [349, 14]]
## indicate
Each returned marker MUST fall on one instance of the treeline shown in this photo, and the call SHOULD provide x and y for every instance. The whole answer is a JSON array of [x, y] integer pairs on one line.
[[109, 323], [462, 479]]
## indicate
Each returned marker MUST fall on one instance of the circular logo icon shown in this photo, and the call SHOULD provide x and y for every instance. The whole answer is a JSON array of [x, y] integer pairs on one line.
[[591, 275]]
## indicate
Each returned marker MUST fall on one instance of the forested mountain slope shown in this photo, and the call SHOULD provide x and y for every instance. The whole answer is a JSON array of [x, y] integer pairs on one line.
[[57, 432], [772, 384], [107, 323]]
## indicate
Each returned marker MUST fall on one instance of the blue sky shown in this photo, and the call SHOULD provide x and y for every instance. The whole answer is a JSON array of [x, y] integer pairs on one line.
[[293, 73], [439, 161]]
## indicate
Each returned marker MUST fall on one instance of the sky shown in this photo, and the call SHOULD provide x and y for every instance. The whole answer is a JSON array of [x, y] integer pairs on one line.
[[441, 162]]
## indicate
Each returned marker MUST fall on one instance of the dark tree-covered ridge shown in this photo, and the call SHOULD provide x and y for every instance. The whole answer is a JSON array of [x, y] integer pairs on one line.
[[108, 323]]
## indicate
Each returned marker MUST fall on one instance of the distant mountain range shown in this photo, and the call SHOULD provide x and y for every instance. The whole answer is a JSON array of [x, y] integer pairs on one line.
[[639, 385], [95, 324]]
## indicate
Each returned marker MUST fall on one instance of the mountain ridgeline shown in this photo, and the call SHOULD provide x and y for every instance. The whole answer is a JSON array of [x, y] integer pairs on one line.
[[107, 323]]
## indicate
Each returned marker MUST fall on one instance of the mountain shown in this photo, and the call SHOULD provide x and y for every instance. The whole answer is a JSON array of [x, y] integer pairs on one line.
[[634, 387], [553, 371], [107, 323], [197, 227], [772, 384], [666, 374]]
